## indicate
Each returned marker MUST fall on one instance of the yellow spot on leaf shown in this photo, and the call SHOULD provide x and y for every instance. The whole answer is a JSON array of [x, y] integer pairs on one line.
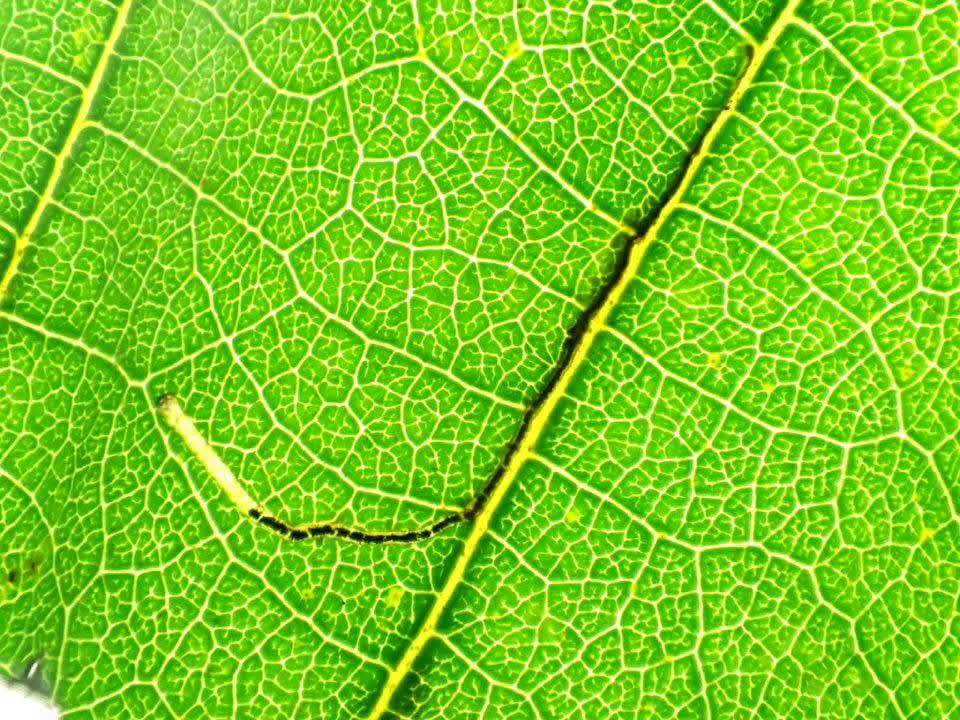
[[926, 534], [940, 125], [394, 597], [808, 263], [768, 387], [419, 33], [683, 62], [715, 359], [905, 374], [574, 516], [515, 50]]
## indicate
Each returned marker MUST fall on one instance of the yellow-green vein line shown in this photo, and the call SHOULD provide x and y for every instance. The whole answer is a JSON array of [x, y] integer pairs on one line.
[[598, 321], [86, 102]]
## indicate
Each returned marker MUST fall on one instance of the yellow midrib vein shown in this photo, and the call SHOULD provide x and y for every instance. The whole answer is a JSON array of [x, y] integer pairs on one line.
[[86, 102], [597, 322]]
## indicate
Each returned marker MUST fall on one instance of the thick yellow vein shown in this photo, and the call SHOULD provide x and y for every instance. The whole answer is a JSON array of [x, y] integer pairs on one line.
[[86, 102], [597, 322]]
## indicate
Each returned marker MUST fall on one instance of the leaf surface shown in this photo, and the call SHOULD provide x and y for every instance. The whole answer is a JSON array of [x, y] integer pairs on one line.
[[651, 307]]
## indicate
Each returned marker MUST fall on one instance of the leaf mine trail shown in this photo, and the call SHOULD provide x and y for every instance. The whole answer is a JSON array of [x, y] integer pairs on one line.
[[578, 341], [580, 338], [183, 425]]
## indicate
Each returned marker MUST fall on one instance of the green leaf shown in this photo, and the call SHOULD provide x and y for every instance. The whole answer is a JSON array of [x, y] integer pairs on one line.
[[474, 359]]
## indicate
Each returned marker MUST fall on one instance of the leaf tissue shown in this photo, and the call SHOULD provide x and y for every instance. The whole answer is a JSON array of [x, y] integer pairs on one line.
[[481, 359]]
